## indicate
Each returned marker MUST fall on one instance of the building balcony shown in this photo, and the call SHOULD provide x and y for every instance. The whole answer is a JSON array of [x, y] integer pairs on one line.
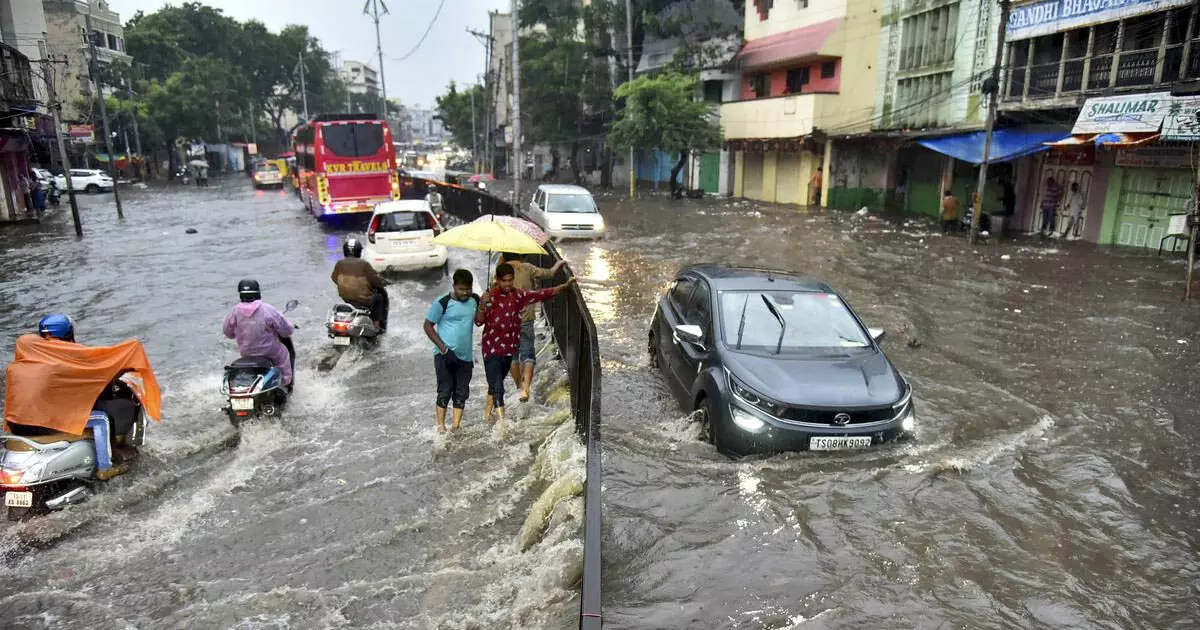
[[790, 116], [16, 79]]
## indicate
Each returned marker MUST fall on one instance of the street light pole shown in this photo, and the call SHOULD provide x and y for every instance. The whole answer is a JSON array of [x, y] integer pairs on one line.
[[55, 110], [474, 134], [518, 155], [629, 45], [303, 90], [372, 8], [94, 72], [993, 85]]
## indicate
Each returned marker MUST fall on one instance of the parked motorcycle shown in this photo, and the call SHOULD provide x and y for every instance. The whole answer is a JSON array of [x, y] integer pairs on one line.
[[349, 325], [253, 387], [45, 469]]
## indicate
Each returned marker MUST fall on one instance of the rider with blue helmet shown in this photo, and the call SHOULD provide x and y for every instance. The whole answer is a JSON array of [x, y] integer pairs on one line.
[[57, 326]]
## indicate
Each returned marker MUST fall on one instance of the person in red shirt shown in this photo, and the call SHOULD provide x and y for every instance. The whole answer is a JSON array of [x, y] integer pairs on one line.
[[499, 313]]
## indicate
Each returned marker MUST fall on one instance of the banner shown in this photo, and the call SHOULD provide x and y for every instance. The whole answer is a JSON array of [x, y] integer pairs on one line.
[[1183, 120], [82, 133], [1136, 113], [1052, 16], [1156, 157]]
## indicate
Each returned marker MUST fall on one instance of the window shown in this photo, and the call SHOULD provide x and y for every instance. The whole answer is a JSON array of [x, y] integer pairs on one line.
[[405, 222], [797, 78], [112, 42], [760, 84], [681, 293], [929, 38], [578, 204], [699, 312], [352, 140], [712, 91], [828, 69], [814, 322], [98, 38], [764, 8]]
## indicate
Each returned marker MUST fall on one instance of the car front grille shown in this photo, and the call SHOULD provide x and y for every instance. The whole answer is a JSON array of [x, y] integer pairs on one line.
[[576, 226], [822, 416]]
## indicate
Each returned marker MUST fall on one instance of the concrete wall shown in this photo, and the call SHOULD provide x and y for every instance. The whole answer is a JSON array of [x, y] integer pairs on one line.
[[789, 14]]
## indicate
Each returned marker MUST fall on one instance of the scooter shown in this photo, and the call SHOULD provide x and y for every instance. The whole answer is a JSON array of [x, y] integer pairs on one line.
[[53, 195], [45, 470], [349, 325], [253, 387]]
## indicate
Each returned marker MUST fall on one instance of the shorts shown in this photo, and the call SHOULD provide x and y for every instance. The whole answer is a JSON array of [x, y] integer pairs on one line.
[[528, 351]]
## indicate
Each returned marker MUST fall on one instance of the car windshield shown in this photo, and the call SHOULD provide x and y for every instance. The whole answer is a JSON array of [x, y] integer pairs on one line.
[[272, 168], [405, 222], [571, 203], [812, 322]]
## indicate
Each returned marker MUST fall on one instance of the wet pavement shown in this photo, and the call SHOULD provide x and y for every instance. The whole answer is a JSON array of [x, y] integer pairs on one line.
[[1053, 483], [348, 512]]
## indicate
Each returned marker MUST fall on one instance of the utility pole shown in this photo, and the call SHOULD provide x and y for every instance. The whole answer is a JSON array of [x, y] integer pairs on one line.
[[55, 110], [303, 90], [372, 8], [94, 72], [137, 135], [474, 134], [992, 85], [488, 107], [519, 161], [629, 44]]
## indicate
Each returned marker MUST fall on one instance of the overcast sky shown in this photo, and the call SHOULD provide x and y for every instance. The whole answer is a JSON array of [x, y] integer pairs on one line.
[[448, 53]]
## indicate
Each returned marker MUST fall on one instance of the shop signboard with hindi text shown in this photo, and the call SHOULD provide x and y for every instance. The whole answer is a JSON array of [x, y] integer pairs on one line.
[[1183, 120], [1033, 19], [1134, 113]]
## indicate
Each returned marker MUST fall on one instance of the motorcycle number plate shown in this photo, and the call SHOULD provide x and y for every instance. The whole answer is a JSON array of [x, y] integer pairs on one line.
[[341, 341], [241, 404], [18, 499]]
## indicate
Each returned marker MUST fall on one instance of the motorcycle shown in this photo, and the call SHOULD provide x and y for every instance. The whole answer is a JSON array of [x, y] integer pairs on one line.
[[349, 325], [54, 195], [253, 386], [44, 469]]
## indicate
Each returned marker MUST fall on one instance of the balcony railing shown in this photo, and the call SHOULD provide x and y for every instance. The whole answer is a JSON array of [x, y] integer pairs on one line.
[[1135, 70], [16, 80]]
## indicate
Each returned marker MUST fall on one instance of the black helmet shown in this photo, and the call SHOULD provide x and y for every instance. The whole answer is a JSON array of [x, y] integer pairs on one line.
[[352, 248], [248, 290]]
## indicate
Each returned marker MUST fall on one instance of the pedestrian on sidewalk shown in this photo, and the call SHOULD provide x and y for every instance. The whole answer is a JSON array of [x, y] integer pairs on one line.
[[949, 212], [1074, 207], [814, 187], [449, 324], [500, 315], [1050, 200], [524, 274]]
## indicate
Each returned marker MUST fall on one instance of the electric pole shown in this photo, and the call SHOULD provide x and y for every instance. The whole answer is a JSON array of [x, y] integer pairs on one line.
[[137, 135], [519, 161], [488, 107], [991, 86], [474, 134], [55, 110], [629, 44], [303, 90], [94, 71], [372, 8]]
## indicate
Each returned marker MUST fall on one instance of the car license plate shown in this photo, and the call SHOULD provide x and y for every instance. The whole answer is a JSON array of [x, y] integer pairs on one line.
[[838, 443], [341, 341], [241, 404], [18, 499]]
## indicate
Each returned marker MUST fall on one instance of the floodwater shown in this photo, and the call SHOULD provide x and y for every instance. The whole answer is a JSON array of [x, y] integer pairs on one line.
[[1053, 483], [350, 511]]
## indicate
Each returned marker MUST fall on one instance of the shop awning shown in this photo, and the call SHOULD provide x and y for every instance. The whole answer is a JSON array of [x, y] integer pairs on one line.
[[796, 44], [1007, 144], [1113, 140]]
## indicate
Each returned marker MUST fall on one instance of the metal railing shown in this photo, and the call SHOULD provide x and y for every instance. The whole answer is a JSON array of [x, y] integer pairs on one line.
[[578, 344]]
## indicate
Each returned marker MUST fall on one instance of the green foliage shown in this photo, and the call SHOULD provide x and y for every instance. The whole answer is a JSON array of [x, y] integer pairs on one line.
[[661, 112], [454, 108]]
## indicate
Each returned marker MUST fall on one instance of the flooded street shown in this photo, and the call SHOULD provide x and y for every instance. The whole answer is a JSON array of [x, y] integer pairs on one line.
[[348, 512], [1054, 477]]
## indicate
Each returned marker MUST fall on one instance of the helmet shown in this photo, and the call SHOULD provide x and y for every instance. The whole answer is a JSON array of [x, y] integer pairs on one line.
[[248, 290], [352, 248], [432, 187], [57, 326]]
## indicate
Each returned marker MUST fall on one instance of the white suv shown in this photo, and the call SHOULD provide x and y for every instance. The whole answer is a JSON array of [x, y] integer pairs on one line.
[[566, 212], [400, 237], [85, 179]]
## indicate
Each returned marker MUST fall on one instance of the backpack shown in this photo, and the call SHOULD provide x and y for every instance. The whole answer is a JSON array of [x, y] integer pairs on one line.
[[445, 301]]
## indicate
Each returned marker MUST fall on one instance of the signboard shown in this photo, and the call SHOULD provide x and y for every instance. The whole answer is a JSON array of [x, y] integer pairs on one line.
[[1183, 120], [82, 133], [1052, 16], [357, 166], [1136, 113], [1156, 157]]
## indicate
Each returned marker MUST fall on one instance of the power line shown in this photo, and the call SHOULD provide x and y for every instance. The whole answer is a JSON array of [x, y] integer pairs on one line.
[[426, 34]]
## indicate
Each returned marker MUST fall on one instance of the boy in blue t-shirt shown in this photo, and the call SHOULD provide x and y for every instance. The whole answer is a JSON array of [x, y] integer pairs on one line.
[[450, 324]]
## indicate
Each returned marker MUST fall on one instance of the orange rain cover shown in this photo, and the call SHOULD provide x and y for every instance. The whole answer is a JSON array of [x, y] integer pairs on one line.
[[54, 384]]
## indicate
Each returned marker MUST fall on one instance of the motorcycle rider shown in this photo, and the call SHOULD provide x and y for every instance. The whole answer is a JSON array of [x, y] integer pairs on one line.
[[261, 330], [359, 285], [434, 198]]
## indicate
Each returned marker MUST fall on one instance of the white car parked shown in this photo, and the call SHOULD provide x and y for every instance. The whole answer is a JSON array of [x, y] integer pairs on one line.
[[566, 212], [85, 179], [400, 237]]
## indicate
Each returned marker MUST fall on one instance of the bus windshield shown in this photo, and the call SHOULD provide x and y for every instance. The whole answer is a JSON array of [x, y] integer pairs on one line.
[[353, 140]]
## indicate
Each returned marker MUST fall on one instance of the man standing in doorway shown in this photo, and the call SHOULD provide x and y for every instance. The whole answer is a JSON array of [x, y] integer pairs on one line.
[[814, 187], [1074, 207], [1050, 200]]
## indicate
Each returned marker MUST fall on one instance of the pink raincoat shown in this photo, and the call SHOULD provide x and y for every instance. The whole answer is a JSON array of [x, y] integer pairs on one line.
[[257, 326]]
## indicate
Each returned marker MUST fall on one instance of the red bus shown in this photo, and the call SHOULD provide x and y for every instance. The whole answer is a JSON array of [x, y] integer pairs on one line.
[[346, 164]]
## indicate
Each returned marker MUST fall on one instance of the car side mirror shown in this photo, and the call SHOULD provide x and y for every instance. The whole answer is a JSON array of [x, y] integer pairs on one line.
[[291, 305], [877, 334], [690, 334]]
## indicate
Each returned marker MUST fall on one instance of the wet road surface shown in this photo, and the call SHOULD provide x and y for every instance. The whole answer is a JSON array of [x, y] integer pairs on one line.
[[349, 512], [1053, 483]]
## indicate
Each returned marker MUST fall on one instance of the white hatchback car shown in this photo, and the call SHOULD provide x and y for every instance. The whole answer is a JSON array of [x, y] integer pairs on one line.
[[566, 212], [86, 179], [400, 237]]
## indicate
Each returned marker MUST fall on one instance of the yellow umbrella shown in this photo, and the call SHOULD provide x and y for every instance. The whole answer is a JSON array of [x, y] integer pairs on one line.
[[489, 236]]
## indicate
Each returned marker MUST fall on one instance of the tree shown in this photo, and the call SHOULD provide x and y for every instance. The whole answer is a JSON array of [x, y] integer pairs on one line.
[[661, 113], [454, 109]]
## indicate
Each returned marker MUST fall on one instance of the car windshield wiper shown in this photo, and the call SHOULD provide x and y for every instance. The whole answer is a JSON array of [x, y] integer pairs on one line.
[[742, 323], [782, 324]]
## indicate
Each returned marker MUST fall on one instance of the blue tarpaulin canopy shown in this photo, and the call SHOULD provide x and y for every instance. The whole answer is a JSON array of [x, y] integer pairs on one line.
[[1007, 144]]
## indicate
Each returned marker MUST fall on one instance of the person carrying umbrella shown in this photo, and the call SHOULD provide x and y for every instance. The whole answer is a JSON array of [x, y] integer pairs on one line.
[[499, 313], [523, 276]]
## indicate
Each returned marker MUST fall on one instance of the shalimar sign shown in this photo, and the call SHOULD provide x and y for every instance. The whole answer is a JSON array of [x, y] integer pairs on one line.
[[1136, 113], [1032, 19], [357, 166]]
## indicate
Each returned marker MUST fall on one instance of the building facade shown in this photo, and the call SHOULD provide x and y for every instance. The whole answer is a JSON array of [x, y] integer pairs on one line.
[[68, 40], [359, 77], [18, 123]]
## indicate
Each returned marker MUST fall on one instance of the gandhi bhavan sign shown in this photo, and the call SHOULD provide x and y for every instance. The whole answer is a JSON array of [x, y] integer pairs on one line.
[[1031, 19]]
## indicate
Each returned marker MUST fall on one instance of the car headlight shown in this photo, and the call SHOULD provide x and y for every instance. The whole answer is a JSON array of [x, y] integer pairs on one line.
[[910, 421], [752, 398], [905, 410], [745, 420]]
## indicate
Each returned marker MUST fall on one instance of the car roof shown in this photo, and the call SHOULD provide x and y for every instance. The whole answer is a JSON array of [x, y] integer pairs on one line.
[[564, 189], [403, 205], [727, 277]]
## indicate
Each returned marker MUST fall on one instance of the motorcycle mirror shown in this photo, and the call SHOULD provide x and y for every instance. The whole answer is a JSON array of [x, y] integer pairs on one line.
[[291, 305]]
